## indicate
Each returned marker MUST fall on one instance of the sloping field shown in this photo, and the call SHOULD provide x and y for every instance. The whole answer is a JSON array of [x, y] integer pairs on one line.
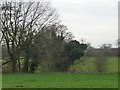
[[86, 65]]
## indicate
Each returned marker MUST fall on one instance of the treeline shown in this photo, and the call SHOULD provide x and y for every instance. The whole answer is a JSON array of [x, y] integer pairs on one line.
[[32, 34], [109, 52], [59, 51]]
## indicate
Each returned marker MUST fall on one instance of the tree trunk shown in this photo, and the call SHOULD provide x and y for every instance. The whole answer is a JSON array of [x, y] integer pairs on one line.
[[26, 65], [19, 65], [14, 64], [32, 67]]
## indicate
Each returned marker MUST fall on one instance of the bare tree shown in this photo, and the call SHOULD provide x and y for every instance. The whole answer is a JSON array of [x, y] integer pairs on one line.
[[49, 46], [101, 59], [20, 22]]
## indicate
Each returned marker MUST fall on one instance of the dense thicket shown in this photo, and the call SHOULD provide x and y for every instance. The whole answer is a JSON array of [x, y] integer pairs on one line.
[[32, 30], [20, 23]]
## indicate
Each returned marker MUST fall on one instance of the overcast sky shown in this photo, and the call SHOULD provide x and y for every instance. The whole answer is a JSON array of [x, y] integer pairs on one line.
[[94, 20]]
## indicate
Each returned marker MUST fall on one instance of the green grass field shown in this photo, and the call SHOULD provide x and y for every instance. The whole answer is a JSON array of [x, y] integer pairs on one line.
[[60, 80], [66, 80], [87, 66]]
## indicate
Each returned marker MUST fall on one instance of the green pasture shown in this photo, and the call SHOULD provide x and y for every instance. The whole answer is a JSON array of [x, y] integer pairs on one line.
[[83, 77], [60, 80], [86, 65]]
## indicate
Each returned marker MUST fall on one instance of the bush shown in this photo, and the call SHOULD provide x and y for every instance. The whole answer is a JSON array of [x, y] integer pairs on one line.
[[100, 62]]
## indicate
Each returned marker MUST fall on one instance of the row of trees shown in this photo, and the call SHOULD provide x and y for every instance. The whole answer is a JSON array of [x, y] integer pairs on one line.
[[107, 48], [32, 30]]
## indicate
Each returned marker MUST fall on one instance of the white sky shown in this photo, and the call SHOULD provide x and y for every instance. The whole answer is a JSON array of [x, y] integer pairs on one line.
[[94, 20]]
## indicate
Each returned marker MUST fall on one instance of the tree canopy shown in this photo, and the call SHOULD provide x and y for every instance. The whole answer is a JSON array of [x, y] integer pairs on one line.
[[32, 30]]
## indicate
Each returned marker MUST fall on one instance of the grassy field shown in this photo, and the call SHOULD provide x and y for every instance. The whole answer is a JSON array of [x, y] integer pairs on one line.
[[60, 80], [67, 80], [87, 66], [0, 80]]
